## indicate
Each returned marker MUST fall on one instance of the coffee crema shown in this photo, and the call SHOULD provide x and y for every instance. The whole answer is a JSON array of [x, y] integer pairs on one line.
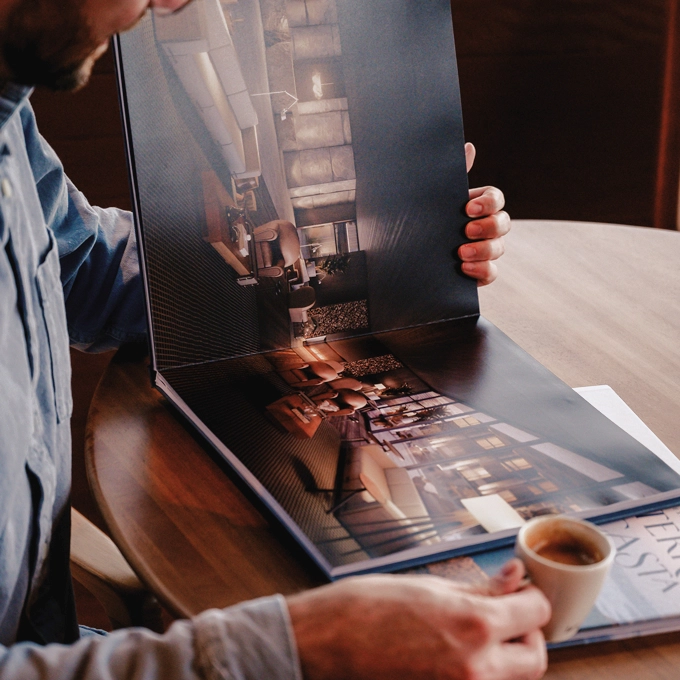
[[565, 547], [573, 552]]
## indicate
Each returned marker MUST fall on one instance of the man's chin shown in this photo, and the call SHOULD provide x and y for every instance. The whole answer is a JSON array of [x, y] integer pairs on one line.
[[81, 76], [67, 80], [28, 68], [78, 76], [71, 78]]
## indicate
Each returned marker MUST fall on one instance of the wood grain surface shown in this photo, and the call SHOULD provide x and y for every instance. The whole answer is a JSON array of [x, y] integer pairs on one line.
[[188, 531], [597, 304]]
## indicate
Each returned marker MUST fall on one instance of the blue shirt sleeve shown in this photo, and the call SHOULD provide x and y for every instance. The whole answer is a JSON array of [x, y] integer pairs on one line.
[[250, 641], [98, 253]]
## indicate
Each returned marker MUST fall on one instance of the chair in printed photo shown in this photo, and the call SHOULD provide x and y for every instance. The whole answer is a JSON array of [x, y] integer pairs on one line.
[[277, 246], [300, 301], [311, 374], [343, 402]]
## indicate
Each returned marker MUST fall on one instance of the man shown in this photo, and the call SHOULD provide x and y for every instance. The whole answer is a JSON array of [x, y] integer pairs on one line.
[[68, 270]]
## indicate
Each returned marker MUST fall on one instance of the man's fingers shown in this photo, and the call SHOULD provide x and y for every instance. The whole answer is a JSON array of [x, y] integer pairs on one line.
[[508, 579], [492, 226], [515, 615], [480, 251], [485, 201], [470, 153], [525, 659], [485, 272]]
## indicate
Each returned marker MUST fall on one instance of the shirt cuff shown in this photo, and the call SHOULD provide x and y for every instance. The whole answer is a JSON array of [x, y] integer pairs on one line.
[[250, 641]]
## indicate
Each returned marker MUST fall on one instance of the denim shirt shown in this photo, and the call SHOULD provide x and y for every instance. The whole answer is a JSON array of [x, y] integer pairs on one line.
[[69, 273]]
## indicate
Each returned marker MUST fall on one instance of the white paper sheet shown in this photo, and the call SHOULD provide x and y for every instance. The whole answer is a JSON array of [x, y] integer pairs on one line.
[[610, 404]]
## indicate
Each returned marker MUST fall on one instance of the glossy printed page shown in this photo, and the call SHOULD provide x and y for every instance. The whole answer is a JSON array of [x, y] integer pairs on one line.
[[300, 185], [299, 172], [388, 448]]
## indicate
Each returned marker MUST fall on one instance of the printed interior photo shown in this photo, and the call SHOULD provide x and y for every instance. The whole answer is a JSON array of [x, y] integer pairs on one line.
[[374, 454], [418, 466], [284, 216], [285, 181]]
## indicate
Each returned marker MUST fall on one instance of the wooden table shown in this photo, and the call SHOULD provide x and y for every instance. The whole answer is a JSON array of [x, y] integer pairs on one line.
[[595, 303]]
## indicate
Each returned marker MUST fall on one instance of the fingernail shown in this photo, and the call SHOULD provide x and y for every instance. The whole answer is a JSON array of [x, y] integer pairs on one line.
[[475, 208], [467, 252], [473, 230], [507, 569]]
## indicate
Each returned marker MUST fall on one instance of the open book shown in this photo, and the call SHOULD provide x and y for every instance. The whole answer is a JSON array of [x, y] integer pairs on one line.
[[299, 184]]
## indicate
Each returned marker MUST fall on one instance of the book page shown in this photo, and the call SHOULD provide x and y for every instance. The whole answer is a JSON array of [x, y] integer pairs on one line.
[[300, 189], [299, 172]]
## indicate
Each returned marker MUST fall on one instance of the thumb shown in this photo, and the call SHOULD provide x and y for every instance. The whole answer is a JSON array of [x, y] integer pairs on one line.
[[470, 153], [508, 579]]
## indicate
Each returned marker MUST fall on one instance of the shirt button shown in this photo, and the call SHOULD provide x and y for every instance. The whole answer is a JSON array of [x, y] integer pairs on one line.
[[6, 188]]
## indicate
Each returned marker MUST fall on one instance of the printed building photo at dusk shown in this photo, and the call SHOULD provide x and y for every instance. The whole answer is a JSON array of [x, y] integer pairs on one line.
[[372, 458], [411, 459]]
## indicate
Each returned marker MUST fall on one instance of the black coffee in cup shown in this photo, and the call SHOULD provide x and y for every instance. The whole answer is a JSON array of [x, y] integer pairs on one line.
[[560, 544]]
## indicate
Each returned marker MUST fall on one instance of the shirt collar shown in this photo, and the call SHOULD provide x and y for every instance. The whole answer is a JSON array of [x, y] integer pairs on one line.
[[11, 97]]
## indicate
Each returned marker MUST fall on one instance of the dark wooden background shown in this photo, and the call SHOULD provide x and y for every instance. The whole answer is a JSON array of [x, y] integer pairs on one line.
[[572, 105], [565, 102]]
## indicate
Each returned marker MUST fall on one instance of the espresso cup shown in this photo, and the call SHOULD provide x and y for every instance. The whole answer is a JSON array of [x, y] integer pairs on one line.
[[568, 559]]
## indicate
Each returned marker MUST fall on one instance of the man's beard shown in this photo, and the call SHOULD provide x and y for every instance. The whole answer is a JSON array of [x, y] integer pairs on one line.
[[47, 42]]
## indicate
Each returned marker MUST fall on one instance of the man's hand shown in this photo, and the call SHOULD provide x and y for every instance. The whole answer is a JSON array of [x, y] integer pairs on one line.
[[386, 627], [490, 223]]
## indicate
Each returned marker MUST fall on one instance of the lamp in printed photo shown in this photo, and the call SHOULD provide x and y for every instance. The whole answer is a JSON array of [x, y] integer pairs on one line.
[[317, 86], [283, 113]]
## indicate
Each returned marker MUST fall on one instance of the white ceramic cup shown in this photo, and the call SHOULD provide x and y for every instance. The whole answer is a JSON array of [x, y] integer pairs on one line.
[[571, 588]]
